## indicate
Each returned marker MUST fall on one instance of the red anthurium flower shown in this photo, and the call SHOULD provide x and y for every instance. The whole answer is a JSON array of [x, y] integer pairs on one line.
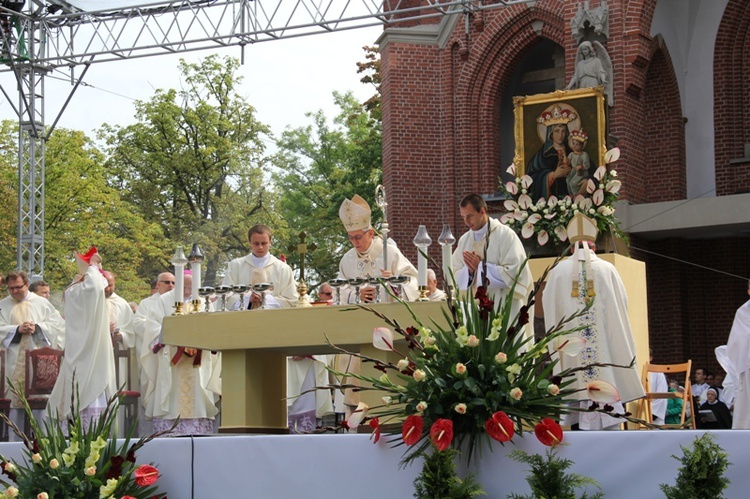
[[375, 425], [549, 432], [146, 475], [499, 427], [411, 432], [441, 434]]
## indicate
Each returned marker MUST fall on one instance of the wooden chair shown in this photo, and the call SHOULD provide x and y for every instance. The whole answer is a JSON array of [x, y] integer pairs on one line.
[[42, 368], [644, 405], [4, 402], [128, 398]]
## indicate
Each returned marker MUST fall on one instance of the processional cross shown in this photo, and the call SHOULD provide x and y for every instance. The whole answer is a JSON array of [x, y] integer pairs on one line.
[[302, 249]]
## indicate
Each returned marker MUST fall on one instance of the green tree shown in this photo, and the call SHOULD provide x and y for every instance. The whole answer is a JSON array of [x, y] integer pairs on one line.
[[80, 210], [317, 166], [193, 163]]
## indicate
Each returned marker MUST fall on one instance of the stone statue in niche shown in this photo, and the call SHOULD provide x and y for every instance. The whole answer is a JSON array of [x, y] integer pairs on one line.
[[593, 68]]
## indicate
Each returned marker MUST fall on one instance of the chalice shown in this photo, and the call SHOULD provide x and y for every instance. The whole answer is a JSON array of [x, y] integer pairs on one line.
[[261, 289], [222, 292], [398, 281], [357, 282], [241, 289], [206, 292], [336, 284]]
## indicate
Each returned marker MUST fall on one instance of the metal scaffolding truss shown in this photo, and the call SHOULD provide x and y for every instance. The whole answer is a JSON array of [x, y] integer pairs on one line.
[[38, 36], [73, 37]]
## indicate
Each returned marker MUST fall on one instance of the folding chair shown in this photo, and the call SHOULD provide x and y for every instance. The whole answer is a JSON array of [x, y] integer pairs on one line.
[[644, 405]]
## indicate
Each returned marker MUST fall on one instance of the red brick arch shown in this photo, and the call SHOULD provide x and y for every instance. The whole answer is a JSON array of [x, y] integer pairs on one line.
[[732, 98]]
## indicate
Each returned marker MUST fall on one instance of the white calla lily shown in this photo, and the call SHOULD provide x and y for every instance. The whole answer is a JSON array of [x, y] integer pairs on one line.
[[527, 230], [542, 237], [507, 218], [526, 181], [585, 204], [512, 169], [600, 172], [590, 186], [510, 205], [612, 155], [598, 197], [358, 415], [512, 188], [520, 215], [613, 186], [382, 339], [524, 201], [561, 233], [602, 392], [534, 218], [568, 344], [552, 202]]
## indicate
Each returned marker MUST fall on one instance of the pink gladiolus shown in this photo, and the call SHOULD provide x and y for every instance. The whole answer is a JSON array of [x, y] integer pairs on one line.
[[382, 339], [602, 392]]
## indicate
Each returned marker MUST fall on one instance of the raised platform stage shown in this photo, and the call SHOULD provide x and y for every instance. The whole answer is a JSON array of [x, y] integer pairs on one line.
[[627, 464]]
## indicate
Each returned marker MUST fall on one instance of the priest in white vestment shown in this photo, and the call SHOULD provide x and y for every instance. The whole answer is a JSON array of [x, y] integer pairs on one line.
[[27, 322], [148, 309], [182, 382], [493, 250], [365, 259], [260, 267], [607, 337], [88, 367], [738, 349]]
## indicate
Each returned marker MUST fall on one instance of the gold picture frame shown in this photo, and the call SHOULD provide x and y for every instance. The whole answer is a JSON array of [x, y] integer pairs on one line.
[[537, 115]]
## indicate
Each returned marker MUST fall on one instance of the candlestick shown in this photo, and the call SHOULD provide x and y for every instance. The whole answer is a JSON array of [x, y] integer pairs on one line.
[[195, 258], [447, 241], [422, 241], [179, 260]]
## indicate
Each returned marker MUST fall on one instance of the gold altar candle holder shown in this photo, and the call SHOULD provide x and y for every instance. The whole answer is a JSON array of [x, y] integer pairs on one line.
[[196, 305], [423, 294], [178, 305]]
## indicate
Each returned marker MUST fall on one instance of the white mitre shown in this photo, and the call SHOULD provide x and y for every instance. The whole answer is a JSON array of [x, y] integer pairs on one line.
[[355, 214]]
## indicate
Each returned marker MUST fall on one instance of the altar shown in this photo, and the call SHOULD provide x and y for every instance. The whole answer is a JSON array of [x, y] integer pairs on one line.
[[626, 464]]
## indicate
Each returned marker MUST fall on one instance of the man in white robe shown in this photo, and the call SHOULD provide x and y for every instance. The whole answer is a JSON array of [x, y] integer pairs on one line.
[[607, 337], [365, 259], [120, 327], [658, 384], [148, 315], [493, 250], [738, 349], [260, 266], [182, 382], [27, 321], [433, 293], [88, 367]]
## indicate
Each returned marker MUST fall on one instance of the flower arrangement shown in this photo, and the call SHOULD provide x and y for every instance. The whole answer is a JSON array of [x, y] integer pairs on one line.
[[547, 219], [477, 381], [86, 464]]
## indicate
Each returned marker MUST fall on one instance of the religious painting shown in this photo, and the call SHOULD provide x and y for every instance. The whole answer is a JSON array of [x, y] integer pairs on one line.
[[560, 140]]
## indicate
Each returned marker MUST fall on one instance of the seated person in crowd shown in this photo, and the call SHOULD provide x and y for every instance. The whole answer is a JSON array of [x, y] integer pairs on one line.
[[721, 420]]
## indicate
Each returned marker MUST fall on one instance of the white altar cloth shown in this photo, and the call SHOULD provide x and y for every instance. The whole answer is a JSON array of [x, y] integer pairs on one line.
[[625, 463]]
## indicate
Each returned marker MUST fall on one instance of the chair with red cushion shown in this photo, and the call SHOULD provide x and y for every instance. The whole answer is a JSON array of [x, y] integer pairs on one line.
[[42, 368]]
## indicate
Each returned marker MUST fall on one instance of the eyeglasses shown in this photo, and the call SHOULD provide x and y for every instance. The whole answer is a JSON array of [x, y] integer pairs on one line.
[[168, 282], [16, 288], [325, 293], [357, 238]]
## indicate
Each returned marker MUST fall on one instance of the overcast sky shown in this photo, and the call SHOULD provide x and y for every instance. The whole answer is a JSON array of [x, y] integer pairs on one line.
[[283, 79]]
